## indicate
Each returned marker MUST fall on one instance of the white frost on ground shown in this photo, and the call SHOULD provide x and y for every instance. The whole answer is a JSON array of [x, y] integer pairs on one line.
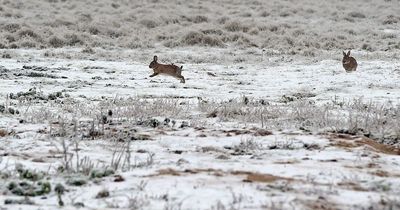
[[270, 79], [223, 165]]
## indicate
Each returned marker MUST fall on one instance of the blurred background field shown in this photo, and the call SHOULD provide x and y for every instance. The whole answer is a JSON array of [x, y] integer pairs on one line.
[[306, 27]]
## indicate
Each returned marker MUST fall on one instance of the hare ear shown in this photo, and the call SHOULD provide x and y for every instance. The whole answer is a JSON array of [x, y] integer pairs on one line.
[[155, 58], [344, 54], [348, 53]]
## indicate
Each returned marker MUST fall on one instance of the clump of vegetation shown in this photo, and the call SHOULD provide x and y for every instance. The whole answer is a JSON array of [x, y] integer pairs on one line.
[[391, 19], [246, 147], [29, 174], [357, 15], [103, 194], [24, 201], [32, 94], [149, 123], [77, 181], [198, 38], [100, 173], [4, 174], [55, 95], [25, 188], [73, 40], [9, 110], [148, 23], [198, 19], [12, 27], [56, 42], [60, 189], [32, 183], [236, 26]]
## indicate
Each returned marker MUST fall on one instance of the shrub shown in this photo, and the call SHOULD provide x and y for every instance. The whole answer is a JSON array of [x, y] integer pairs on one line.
[[197, 38], [212, 31], [391, 19], [12, 27], [10, 38], [27, 33], [88, 50], [149, 23], [389, 36], [223, 20], [115, 6], [13, 46], [264, 14], [56, 42], [60, 23], [28, 44], [73, 39], [356, 15], [235, 26], [93, 30], [198, 19], [114, 33], [367, 47]]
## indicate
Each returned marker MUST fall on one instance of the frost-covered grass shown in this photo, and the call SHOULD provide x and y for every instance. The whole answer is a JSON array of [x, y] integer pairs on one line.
[[282, 133], [267, 118], [288, 27]]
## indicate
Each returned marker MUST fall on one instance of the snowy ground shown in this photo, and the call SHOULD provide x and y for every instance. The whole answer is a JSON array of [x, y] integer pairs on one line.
[[248, 135], [267, 118]]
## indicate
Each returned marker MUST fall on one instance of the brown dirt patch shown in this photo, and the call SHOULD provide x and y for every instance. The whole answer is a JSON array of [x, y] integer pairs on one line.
[[236, 132], [344, 144], [352, 185], [249, 176], [378, 146], [287, 162], [320, 203], [167, 171], [349, 141], [380, 173], [255, 177], [262, 132], [253, 131]]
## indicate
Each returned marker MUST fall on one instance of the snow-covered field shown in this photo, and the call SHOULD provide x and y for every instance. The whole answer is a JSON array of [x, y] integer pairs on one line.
[[267, 118], [275, 134]]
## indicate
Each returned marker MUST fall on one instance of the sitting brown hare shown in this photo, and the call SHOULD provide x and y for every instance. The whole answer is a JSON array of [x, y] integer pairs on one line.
[[349, 63], [167, 69]]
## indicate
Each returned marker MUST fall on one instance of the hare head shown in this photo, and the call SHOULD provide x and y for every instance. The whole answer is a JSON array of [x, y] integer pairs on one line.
[[349, 63], [167, 69], [153, 63]]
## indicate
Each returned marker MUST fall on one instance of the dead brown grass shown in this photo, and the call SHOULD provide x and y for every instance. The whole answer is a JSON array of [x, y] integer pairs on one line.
[[378, 147], [167, 171], [253, 131], [349, 141], [249, 176], [256, 177], [287, 162], [344, 144], [380, 173], [321, 203], [353, 186]]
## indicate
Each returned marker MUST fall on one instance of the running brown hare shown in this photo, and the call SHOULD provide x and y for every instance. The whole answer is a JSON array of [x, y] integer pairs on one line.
[[166, 69], [349, 63]]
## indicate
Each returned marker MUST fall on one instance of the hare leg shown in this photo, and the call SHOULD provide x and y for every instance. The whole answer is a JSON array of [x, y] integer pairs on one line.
[[182, 78], [154, 74]]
